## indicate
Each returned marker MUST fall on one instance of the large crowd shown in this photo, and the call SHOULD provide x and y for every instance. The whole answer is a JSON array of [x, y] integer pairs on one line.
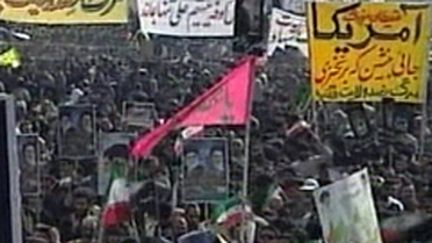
[[291, 146]]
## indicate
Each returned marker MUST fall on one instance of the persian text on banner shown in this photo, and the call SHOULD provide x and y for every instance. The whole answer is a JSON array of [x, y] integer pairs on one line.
[[64, 11], [368, 51]]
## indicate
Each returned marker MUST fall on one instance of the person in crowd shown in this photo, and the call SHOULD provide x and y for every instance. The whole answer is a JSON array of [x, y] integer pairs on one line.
[[179, 227], [193, 217], [45, 233], [267, 235], [72, 223]]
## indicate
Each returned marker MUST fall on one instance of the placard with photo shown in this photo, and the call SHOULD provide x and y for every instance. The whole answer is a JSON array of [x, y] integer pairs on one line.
[[139, 114], [113, 157], [29, 163], [205, 170], [77, 131]]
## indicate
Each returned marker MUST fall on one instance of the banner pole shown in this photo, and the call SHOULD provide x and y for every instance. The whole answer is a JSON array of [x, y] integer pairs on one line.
[[101, 233], [247, 135], [245, 180], [135, 230], [206, 211], [246, 161], [174, 195], [425, 93], [246, 155], [315, 117], [423, 129]]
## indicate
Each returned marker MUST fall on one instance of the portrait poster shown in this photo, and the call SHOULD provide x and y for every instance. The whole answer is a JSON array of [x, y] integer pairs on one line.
[[359, 121], [205, 170], [139, 114], [346, 210], [29, 163], [77, 131], [64, 12], [367, 51], [210, 18], [113, 157]]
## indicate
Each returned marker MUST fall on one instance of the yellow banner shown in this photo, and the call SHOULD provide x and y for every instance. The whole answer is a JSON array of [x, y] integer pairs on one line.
[[64, 11], [368, 51]]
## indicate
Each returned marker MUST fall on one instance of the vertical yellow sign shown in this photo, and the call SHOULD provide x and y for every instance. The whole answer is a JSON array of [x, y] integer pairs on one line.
[[368, 51]]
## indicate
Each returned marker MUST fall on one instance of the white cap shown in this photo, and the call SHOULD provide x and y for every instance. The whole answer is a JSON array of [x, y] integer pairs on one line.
[[310, 184], [393, 201]]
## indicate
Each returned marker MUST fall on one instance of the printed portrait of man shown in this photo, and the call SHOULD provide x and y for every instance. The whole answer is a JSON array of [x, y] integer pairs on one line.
[[65, 123], [76, 131], [205, 168], [86, 123], [30, 155], [359, 122], [217, 160], [113, 161], [29, 163], [117, 156], [401, 120]]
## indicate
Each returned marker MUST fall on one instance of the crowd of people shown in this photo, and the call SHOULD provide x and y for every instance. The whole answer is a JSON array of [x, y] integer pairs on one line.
[[291, 146]]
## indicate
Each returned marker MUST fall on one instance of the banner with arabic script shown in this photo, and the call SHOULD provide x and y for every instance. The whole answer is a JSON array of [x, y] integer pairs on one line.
[[346, 210], [187, 17], [368, 51], [64, 11], [287, 30]]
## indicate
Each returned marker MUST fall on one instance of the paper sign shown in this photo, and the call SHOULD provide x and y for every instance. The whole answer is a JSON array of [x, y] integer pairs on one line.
[[139, 114], [287, 30], [347, 212], [187, 17]]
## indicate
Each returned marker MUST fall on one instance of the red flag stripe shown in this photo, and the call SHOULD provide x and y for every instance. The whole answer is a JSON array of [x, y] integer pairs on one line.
[[116, 213]]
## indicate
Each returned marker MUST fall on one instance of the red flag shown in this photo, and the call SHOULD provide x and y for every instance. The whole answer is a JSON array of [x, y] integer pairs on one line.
[[226, 103]]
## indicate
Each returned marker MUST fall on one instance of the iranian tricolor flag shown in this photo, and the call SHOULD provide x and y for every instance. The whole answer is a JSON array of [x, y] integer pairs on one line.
[[117, 209], [231, 213]]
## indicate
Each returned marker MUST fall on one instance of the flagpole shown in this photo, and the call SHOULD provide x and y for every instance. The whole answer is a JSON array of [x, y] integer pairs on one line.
[[247, 136], [246, 161], [135, 232], [246, 154], [101, 233], [424, 122], [245, 181]]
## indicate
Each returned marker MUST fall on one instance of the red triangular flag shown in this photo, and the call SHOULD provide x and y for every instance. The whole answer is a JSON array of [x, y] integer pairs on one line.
[[226, 103]]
